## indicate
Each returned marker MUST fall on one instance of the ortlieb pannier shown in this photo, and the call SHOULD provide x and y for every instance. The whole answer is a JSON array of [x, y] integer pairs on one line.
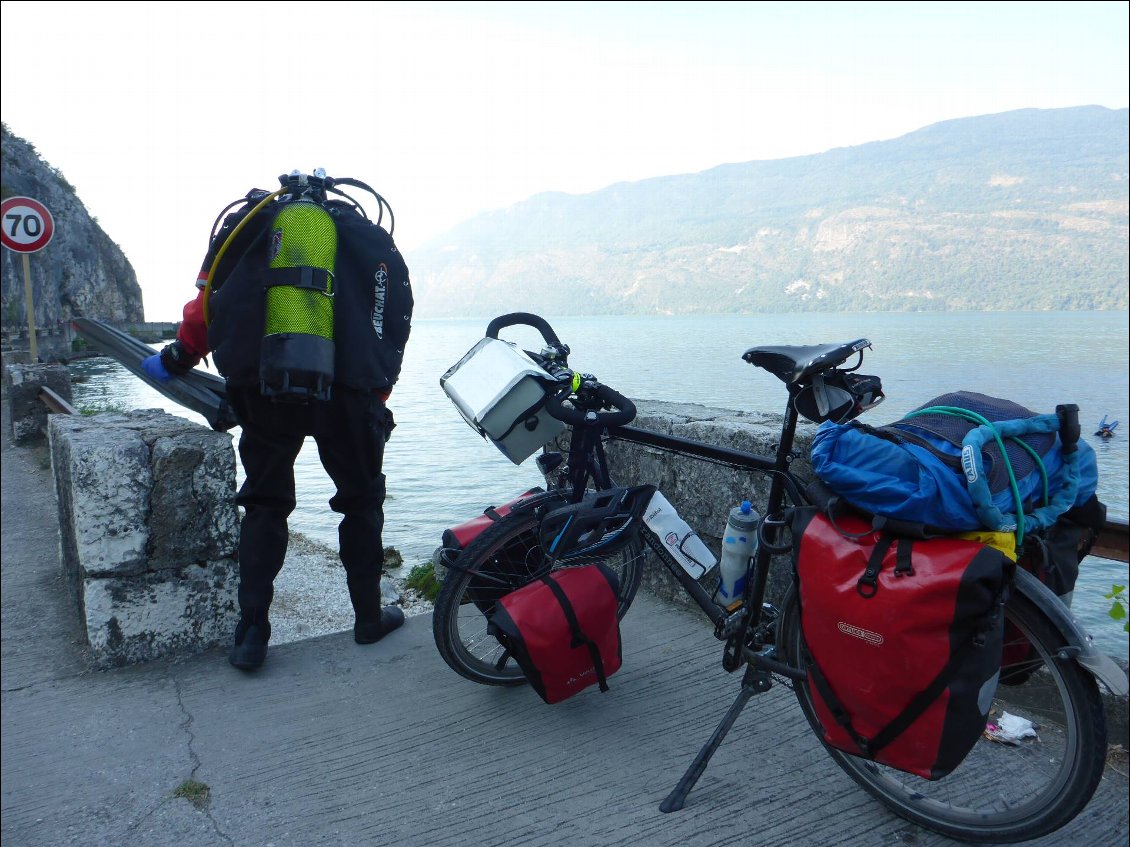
[[562, 630], [902, 639], [456, 538], [511, 565]]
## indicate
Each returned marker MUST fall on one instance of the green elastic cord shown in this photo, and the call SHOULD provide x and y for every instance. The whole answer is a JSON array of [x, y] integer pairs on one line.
[[968, 415], [973, 416]]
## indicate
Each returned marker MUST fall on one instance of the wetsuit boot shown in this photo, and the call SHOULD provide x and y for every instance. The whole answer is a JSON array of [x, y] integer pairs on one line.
[[371, 621], [251, 636]]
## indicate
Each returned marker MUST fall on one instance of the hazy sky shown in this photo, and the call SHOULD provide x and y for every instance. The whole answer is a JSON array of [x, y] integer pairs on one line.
[[162, 113]]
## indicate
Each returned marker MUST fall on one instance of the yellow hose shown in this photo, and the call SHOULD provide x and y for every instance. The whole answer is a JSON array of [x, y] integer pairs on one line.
[[224, 247]]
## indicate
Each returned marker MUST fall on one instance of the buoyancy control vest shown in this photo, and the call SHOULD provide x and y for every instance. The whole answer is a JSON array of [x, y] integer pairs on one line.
[[307, 293]]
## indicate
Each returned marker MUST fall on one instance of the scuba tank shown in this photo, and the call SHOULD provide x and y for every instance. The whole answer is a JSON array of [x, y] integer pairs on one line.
[[283, 278], [297, 354]]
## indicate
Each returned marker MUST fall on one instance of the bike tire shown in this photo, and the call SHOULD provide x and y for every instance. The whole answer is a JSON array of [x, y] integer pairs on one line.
[[509, 554], [1000, 793]]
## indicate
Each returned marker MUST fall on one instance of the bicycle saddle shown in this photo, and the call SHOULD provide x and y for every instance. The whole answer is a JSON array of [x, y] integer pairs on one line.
[[793, 363]]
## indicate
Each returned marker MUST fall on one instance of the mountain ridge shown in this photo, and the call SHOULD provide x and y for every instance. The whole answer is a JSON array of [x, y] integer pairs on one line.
[[1021, 210]]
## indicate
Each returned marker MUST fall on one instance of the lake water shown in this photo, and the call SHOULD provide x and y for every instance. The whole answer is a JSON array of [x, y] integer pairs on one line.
[[440, 472]]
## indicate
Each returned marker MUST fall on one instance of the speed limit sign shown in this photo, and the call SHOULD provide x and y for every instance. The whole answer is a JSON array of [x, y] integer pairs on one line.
[[25, 224]]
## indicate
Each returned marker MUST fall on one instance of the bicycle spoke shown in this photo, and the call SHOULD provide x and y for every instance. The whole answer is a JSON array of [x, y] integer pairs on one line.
[[505, 557]]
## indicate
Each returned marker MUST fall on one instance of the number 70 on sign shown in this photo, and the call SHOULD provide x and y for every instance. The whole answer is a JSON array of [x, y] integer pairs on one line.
[[25, 225]]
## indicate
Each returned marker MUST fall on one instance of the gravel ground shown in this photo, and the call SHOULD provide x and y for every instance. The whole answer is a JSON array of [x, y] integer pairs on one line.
[[311, 598]]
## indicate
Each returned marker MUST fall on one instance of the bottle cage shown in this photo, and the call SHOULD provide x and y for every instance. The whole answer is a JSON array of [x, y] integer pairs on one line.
[[602, 523]]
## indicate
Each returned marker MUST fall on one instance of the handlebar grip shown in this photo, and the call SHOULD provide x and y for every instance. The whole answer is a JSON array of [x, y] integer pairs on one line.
[[625, 408], [555, 405], [516, 318], [610, 397]]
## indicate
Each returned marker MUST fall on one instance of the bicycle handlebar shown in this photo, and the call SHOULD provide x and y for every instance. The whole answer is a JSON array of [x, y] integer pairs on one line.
[[625, 409], [516, 318]]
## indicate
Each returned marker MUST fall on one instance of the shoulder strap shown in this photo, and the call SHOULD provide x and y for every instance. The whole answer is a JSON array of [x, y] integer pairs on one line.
[[579, 637]]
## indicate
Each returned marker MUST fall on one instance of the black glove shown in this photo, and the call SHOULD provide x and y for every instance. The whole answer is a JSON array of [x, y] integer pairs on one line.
[[389, 423], [177, 360]]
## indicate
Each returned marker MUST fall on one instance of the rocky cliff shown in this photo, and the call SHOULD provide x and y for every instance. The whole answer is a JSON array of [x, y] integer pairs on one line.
[[81, 272]]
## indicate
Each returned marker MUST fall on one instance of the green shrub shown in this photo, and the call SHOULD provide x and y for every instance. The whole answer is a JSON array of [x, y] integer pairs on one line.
[[422, 579], [1117, 598]]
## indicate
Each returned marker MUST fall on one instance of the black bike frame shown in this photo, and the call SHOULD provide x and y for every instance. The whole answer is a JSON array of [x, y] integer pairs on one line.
[[734, 627]]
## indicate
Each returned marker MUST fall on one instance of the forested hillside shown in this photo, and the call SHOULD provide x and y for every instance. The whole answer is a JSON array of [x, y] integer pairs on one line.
[[1021, 210]]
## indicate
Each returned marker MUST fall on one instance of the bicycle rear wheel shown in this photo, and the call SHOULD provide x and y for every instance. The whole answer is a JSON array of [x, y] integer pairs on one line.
[[1000, 792], [505, 557]]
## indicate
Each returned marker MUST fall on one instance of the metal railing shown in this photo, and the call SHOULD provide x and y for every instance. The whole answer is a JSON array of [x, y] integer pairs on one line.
[[55, 403]]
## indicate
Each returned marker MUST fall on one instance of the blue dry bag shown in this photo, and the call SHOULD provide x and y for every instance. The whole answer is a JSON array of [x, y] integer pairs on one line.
[[960, 463]]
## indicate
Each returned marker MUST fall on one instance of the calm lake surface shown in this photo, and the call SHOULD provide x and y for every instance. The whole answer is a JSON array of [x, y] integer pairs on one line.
[[441, 472]]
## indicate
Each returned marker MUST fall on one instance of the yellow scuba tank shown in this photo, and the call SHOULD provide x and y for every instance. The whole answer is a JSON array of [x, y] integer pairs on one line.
[[297, 353]]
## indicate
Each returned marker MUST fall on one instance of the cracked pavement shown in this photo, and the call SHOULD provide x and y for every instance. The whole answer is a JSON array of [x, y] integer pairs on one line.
[[333, 743]]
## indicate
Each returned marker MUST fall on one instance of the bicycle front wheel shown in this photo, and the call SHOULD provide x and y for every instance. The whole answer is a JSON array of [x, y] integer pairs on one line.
[[505, 557], [1000, 792]]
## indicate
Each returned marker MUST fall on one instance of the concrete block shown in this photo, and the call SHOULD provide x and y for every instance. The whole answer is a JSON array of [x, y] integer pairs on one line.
[[28, 415], [149, 531], [180, 611], [103, 482]]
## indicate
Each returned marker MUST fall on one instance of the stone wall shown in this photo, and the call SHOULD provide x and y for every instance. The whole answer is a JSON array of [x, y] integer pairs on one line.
[[149, 532]]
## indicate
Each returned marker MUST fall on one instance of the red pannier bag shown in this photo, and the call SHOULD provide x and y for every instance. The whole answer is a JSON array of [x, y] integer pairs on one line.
[[562, 630], [456, 538], [510, 567], [902, 639]]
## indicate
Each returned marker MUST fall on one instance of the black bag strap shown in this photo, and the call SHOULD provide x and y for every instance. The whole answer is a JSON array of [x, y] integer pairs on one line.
[[579, 637], [904, 562], [921, 702], [835, 706], [868, 584], [315, 279]]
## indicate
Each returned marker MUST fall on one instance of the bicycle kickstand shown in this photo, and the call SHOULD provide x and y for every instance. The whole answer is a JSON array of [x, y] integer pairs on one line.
[[754, 681]]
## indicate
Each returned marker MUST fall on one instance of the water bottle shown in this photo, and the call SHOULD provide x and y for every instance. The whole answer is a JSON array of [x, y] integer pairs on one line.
[[739, 540]]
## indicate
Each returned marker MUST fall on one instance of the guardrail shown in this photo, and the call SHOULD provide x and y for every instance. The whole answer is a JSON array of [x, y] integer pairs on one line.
[[55, 403], [1113, 541]]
